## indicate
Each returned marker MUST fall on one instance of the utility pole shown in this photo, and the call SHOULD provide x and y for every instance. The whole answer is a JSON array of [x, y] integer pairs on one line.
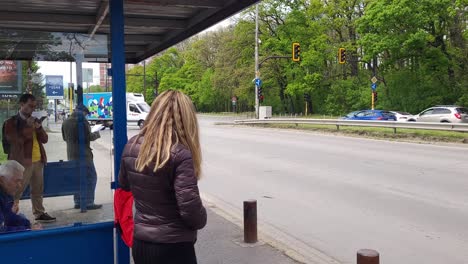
[[144, 77], [257, 72], [71, 89], [374, 80]]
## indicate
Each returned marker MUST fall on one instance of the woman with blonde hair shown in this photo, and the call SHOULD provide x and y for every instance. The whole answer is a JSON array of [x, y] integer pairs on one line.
[[161, 167]]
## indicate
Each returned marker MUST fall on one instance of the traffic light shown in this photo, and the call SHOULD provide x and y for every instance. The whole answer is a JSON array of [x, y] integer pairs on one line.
[[375, 96], [306, 97], [260, 92], [260, 99], [296, 51], [342, 55]]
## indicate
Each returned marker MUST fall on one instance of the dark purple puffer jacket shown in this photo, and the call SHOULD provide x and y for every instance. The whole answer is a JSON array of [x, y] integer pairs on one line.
[[168, 204]]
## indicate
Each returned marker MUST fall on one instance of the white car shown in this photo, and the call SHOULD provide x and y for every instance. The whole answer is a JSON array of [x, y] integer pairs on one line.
[[443, 114], [402, 116]]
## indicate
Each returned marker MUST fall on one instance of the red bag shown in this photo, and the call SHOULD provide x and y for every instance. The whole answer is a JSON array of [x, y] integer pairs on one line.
[[123, 215]]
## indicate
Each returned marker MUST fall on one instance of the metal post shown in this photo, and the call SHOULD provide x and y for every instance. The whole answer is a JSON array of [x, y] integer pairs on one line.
[[144, 78], [374, 73], [71, 87], [107, 78], [119, 104], [250, 221], [257, 73], [372, 101], [83, 164], [367, 256], [55, 110], [79, 78]]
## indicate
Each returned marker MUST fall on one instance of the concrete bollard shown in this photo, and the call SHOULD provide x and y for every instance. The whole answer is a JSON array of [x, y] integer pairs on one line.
[[367, 256], [250, 221]]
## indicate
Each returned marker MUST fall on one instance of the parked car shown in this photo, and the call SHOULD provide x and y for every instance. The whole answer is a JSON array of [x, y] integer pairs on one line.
[[370, 115], [443, 114], [402, 116]]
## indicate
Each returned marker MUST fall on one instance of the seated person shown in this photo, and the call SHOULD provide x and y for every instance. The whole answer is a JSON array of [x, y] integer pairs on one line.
[[11, 178]]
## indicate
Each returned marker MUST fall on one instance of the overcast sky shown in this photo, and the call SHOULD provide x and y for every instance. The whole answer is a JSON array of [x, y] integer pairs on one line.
[[63, 68]]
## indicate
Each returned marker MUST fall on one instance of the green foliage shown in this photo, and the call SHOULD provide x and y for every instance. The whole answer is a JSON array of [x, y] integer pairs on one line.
[[29, 69], [419, 48]]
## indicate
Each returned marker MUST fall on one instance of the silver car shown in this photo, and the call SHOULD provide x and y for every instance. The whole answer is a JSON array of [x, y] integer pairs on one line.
[[443, 114]]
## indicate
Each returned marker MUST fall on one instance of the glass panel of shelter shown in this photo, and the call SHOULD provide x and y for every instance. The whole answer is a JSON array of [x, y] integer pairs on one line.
[[64, 144]]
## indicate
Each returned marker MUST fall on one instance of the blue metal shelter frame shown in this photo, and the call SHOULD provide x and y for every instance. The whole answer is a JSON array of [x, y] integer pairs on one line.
[[94, 243], [118, 93]]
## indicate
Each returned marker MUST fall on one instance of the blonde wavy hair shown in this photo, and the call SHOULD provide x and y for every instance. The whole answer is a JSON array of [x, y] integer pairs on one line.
[[171, 120]]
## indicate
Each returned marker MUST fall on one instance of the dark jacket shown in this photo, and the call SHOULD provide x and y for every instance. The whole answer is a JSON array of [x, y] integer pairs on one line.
[[168, 205], [70, 135], [20, 137], [9, 221]]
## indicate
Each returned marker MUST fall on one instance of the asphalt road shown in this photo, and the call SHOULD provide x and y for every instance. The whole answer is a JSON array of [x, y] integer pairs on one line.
[[340, 194]]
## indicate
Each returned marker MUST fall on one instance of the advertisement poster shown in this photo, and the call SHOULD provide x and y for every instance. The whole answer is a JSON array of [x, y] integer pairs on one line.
[[99, 105], [10, 77]]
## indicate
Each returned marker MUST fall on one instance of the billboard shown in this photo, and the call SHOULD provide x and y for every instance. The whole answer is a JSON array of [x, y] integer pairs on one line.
[[54, 86], [10, 77], [99, 105]]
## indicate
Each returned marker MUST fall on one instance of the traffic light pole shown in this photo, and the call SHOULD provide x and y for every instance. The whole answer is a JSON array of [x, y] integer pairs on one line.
[[257, 72], [374, 72]]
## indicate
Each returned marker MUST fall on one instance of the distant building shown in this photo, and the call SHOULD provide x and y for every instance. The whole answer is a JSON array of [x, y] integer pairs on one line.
[[103, 75]]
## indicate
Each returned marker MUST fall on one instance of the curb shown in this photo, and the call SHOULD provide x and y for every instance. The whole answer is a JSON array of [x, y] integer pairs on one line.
[[289, 245]]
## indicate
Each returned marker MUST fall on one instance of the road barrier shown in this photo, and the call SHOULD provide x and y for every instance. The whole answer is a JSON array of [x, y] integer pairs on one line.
[[458, 127]]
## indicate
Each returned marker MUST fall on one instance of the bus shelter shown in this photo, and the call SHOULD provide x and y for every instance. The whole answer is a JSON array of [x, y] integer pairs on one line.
[[110, 33]]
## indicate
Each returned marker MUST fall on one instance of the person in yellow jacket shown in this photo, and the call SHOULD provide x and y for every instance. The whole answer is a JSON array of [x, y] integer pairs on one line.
[[25, 137]]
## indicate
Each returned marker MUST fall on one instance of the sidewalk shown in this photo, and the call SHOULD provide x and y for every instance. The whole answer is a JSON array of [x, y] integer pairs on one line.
[[220, 242]]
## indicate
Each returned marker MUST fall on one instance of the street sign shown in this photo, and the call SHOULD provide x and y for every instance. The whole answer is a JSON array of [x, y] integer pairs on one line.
[[54, 86], [258, 82], [374, 79], [88, 75], [373, 86]]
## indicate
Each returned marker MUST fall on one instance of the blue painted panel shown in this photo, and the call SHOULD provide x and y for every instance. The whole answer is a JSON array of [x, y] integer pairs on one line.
[[60, 178], [72, 245]]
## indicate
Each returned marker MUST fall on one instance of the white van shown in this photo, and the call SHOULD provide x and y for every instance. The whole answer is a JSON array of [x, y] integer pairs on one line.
[[137, 109]]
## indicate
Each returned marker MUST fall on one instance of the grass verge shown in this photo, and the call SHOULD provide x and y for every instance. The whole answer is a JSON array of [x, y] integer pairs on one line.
[[381, 133]]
